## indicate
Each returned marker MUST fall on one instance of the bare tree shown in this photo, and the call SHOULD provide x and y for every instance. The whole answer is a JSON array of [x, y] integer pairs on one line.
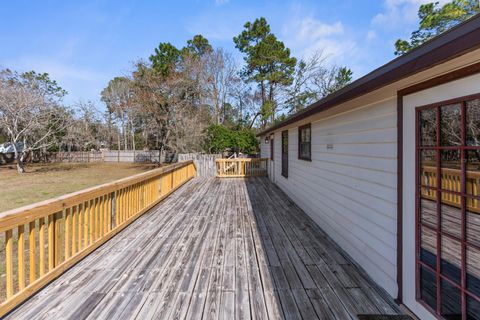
[[219, 78], [118, 96], [30, 112], [85, 129], [314, 79]]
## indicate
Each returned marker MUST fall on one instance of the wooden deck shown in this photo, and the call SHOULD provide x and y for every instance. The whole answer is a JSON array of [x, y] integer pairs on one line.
[[214, 249]]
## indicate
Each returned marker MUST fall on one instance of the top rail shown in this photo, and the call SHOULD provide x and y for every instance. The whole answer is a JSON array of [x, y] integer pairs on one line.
[[241, 167], [44, 239]]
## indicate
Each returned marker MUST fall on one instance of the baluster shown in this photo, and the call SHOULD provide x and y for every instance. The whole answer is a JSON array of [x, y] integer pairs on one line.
[[91, 220], [99, 217], [86, 216], [74, 229], [32, 251], [51, 242], [67, 233], [21, 257], [80, 227], [9, 262], [58, 234], [41, 245]]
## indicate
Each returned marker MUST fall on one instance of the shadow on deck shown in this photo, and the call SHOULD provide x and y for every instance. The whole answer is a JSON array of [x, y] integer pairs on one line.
[[216, 248]]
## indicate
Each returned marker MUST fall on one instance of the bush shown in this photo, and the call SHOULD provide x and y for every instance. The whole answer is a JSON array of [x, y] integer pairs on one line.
[[219, 138]]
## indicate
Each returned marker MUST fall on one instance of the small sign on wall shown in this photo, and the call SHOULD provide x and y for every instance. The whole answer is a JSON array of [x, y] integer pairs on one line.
[[330, 146]]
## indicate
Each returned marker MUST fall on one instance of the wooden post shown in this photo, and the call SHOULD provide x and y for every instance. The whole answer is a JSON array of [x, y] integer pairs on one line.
[[9, 262]]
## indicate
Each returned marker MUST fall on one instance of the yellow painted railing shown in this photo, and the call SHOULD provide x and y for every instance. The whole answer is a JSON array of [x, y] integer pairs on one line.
[[451, 180], [44, 239], [241, 167]]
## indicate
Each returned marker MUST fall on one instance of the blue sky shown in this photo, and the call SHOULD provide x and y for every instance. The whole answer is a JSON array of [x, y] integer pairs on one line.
[[83, 44]]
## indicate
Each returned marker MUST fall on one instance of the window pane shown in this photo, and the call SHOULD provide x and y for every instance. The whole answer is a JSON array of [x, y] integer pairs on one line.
[[473, 225], [305, 150], [307, 135], [451, 171], [450, 133], [428, 287], [473, 270], [473, 309], [472, 119], [428, 173], [451, 301], [428, 247], [451, 253], [428, 127], [428, 211], [451, 215], [473, 172]]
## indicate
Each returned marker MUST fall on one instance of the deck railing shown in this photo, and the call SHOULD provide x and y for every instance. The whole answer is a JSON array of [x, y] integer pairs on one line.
[[241, 167], [43, 240], [451, 181]]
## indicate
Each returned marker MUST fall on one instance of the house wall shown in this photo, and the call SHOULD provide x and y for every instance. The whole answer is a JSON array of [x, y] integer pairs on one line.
[[264, 148], [350, 189], [451, 90]]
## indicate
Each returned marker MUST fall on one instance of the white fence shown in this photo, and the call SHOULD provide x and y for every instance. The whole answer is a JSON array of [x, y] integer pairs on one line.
[[133, 156], [148, 156], [205, 163]]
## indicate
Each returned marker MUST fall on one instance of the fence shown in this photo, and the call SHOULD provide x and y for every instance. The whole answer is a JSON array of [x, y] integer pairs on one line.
[[241, 167], [150, 156], [451, 180], [205, 163], [64, 230], [80, 156], [133, 156]]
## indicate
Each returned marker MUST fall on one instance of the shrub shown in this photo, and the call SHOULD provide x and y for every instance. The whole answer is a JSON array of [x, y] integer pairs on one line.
[[219, 138]]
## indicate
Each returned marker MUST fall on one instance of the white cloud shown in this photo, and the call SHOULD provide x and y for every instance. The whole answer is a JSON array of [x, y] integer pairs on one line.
[[59, 70], [309, 28], [307, 35], [221, 2], [80, 82], [398, 13], [371, 35]]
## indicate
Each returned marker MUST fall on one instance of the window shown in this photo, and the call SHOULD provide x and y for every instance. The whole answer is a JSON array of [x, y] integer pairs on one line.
[[448, 208], [285, 153], [304, 143], [271, 148]]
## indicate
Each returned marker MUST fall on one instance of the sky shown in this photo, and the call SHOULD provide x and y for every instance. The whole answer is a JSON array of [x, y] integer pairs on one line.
[[84, 44]]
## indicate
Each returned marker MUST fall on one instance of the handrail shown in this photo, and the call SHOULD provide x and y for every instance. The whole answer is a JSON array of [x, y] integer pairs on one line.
[[451, 180], [241, 167], [63, 230]]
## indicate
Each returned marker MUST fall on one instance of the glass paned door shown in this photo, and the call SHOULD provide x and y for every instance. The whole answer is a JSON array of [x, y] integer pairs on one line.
[[448, 208]]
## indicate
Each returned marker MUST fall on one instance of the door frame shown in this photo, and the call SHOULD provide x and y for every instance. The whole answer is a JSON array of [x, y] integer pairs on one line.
[[443, 79]]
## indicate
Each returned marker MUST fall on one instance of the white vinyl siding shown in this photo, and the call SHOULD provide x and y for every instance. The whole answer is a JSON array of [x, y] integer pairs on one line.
[[264, 148], [349, 187]]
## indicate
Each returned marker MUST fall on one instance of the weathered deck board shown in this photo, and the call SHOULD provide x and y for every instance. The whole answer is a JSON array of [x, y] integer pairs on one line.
[[215, 249]]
